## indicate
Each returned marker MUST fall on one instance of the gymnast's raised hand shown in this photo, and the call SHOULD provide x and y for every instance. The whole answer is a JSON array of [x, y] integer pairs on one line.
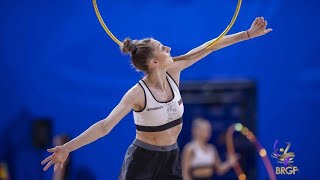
[[258, 28]]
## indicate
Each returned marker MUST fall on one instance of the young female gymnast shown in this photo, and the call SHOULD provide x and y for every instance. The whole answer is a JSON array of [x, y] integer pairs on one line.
[[157, 109]]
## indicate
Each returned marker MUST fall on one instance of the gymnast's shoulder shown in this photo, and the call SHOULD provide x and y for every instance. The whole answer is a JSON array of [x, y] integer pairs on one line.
[[135, 95]]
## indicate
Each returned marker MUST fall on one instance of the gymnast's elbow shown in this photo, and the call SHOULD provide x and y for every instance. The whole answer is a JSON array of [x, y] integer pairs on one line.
[[105, 126]]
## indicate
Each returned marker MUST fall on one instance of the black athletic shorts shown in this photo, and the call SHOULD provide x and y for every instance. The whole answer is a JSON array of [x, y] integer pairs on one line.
[[148, 162]]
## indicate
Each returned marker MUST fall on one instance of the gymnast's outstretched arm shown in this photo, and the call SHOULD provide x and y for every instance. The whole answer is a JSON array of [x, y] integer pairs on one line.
[[96, 131], [258, 28]]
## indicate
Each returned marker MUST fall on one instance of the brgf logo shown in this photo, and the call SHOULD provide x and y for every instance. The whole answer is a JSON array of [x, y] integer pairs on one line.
[[287, 170], [284, 157]]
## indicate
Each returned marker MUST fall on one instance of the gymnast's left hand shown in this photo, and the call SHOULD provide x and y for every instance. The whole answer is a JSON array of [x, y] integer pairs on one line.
[[258, 28]]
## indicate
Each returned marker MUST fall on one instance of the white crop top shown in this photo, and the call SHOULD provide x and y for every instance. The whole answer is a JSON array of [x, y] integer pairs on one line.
[[159, 116], [201, 157]]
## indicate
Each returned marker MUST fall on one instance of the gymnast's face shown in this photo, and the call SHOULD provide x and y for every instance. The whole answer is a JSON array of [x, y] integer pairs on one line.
[[162, 57]]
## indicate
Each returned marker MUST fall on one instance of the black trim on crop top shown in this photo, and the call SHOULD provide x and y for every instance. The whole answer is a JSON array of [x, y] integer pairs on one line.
[[145, 99], [173, 94], [159, 128], [173, 80]]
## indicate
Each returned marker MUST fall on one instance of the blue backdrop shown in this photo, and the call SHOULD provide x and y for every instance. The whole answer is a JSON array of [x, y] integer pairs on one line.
[[57, 61]]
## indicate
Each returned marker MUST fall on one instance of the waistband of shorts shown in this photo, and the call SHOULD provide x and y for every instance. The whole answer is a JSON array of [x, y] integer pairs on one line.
[[151, 147]]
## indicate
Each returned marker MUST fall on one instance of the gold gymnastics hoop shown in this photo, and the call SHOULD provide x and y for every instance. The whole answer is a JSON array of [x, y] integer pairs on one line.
[[182, 57]]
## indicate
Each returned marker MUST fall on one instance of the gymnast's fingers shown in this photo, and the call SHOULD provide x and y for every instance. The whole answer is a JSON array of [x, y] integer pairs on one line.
[[48, 165], [46, 160], [256, 21], [268, 30], [52, 149]]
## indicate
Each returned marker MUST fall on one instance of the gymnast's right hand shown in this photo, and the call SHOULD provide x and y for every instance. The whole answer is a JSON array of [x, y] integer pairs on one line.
[[59, 156]]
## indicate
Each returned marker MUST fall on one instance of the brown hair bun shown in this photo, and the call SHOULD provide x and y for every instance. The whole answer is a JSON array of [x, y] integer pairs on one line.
[[128, 46]]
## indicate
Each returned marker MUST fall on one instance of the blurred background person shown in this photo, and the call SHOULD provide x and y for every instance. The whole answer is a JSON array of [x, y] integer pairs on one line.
[[200, 160]]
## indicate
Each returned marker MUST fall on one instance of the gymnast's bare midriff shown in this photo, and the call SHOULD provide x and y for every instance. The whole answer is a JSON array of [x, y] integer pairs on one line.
[[162, 138]]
